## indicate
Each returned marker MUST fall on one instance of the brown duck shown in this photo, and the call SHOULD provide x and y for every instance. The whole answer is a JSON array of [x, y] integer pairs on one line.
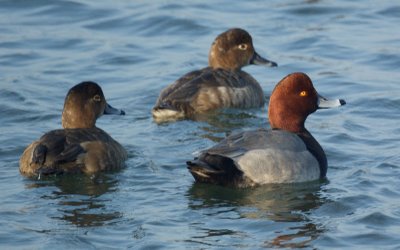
[[223, 84], [80, 147]]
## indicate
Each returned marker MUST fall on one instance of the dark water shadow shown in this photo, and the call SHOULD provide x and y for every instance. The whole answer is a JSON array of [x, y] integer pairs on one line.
[[291, 203], [82, 200]]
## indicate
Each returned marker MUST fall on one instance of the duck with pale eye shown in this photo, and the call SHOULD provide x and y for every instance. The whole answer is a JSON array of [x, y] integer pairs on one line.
[[80, 147], [223, 84], [286, 154]]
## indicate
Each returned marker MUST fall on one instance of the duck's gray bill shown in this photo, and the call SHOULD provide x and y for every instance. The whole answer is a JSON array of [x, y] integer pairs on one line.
[[324, 103], [258, 60], [109, 110]]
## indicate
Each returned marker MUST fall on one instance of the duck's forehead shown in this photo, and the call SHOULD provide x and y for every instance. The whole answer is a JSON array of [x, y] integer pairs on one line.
[[239, 36], [93, 90], [288, 86], [302, 85], [234, 37], [86, 89]]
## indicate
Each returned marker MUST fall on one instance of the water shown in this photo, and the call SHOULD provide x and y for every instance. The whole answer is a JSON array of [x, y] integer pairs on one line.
[[134, 49]]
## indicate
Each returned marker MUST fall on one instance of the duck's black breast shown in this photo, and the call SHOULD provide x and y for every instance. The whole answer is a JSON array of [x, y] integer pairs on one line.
[[316, 150]]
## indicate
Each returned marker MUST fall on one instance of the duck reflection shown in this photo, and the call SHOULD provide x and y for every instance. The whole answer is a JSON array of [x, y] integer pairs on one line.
[[279, 203], [81, 198], [306, 233], [216, 126]]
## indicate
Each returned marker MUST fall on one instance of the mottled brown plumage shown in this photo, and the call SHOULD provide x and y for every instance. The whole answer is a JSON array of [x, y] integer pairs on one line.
[[80, 147], [223, 84]]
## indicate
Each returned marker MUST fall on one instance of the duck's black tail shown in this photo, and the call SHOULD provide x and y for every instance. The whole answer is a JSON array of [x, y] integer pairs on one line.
[[215, 169]]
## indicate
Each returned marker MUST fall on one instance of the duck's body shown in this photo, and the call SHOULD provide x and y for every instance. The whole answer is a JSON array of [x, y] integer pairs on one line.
[[88, 150], [208, 89], [80, 147], [223, 84], [259, 157], [288, 153]]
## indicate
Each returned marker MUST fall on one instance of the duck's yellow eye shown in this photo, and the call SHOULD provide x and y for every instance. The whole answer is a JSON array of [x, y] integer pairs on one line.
[[242, 46], [97, 98], [303, 93]]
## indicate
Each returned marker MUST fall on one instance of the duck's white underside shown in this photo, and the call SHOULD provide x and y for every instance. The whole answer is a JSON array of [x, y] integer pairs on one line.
[[167, 114]]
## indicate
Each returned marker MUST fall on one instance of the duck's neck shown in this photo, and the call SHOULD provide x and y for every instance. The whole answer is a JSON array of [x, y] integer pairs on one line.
[[224, 67], [75, 119], [285, 116], [223, 63], [311, 143], [286, 122]]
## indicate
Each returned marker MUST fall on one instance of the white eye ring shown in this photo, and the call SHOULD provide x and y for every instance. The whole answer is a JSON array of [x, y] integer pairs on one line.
[[242, 46], [97, 98]]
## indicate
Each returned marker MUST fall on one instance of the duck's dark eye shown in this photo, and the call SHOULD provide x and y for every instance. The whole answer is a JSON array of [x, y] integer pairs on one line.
[[242, 46], [97, 98], [303, 93]]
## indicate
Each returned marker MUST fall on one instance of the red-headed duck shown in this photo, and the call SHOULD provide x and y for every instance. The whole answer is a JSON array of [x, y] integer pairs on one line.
[[80, 147], [287, 153], [222, 84]]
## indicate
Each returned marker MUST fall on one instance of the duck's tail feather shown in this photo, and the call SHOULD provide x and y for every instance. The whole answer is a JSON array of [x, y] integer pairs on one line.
[[165, 111], [215, 169], [38, 161], [39, 154], [44, 164]]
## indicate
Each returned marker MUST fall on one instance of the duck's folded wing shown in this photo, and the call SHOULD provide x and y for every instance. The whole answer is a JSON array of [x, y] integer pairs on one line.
[[54, 149], [58, 151], [181, 91], [218, 164], [66, 161], [49, 146]]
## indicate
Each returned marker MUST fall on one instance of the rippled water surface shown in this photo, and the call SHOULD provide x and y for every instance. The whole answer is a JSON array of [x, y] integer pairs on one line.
[[351, 50]]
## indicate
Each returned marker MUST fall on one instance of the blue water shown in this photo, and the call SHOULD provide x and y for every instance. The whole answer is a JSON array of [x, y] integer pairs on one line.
[[351, 50]]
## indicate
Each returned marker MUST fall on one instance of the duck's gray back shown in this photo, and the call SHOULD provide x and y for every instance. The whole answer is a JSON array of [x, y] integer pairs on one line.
[[270, 156]]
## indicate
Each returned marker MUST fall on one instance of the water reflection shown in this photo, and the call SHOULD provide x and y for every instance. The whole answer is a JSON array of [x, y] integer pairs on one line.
[[81, 198], [289, 203], [218, 125], [301, 238]]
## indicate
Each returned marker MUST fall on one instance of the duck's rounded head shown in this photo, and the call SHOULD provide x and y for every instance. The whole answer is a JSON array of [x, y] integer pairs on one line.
[[293, 99], [233, 50], [84, 103]]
